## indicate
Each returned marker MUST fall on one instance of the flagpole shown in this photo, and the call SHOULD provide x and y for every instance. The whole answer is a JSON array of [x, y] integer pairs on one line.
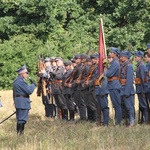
[[101, 21]]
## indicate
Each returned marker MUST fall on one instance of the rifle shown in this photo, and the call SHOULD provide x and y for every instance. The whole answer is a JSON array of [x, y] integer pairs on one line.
[[81, 74], [72, 76], [41, 82]]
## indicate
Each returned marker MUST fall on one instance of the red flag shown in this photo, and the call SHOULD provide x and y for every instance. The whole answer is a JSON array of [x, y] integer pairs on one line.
[[101, 50]]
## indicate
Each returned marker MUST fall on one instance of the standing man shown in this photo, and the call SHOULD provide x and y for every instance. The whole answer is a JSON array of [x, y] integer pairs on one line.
[[57, 88], [113, 84], [21, 92], [147, 74], [127, 89], [47, 97], [139, 82], [67, 91]]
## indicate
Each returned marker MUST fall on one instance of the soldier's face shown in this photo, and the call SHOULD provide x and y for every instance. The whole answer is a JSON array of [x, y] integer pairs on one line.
[[137, 58], [148, 50], [147, 59], [25, 75]]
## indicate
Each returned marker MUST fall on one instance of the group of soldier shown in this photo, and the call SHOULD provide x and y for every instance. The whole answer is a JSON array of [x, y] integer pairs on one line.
[[67, 85]]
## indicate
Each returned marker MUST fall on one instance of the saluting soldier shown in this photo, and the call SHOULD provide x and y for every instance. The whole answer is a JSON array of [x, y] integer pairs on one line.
[[47, 99], [57, 88], [139, 82], [21, 93], [67, 91], [127, 90], [113, 84]]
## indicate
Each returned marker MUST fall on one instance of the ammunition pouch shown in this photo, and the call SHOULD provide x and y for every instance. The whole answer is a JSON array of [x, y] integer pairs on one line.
[[122, 81], [112, 78], [137, 81], [145, 79], [96, 82]]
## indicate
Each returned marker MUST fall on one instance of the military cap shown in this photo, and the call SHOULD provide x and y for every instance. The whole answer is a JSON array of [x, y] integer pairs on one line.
[[66, 63], [88, 59], [125, 53], [148, 45], [84, 56], [115, 50], [53, 58], [46, 59], [139, 53], [21, 70], [94, 56], [78, 56], [72, 60], [59, 58]]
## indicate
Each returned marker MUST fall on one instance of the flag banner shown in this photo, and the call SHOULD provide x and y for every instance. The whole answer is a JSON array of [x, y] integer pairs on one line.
[[102, 52]]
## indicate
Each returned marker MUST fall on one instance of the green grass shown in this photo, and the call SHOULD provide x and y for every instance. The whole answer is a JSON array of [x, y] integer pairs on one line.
[[43, 134]]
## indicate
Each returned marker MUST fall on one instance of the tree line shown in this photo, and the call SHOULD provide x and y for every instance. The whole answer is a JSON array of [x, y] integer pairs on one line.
[[64, 27]]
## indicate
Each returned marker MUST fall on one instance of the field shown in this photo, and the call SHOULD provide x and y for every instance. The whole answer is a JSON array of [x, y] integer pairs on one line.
[[44, 134]]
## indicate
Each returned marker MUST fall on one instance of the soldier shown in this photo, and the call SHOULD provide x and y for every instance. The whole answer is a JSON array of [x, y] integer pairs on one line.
[[127, 90], [147, 72], [77, 88], [57, 88], [113, 84], [139, 82], [47, 98], [101, 91], [21, 92], [67, 91], [148, 48]]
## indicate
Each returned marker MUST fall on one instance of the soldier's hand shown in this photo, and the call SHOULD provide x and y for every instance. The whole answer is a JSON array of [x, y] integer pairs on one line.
[[69, 85], [77, 81], [87, 82]]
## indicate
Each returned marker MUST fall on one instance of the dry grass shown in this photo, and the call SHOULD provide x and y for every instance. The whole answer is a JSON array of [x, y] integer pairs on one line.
[[42, 134]]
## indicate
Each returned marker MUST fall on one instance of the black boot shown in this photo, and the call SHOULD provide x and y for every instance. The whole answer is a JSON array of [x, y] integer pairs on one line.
[[22, 128], [65, 114], [18, 128], [89, 114], [94, 115], [71, 115]]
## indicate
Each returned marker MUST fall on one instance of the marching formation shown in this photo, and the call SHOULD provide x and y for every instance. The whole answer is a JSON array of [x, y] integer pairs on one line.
[[68, 85]]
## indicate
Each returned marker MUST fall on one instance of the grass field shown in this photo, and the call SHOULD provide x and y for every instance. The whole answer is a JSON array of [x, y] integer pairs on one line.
[[43, 134]]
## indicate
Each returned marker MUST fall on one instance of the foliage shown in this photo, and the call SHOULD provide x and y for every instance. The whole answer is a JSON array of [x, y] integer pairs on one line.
[[59, 28]]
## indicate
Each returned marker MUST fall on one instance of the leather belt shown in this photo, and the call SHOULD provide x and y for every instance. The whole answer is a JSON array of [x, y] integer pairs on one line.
[[112, 78], [24, 96]]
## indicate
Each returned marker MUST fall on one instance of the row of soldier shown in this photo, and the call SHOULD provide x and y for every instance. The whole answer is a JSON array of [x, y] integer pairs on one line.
[[76, 82]]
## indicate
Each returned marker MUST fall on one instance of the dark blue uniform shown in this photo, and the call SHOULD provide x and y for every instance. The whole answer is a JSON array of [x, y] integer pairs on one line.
[[114, 88], [140, 90], [127, 89], [21, 92]]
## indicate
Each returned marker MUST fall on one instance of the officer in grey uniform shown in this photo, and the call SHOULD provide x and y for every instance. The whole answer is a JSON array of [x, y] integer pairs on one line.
[[67, 91], [57, 88], [21, 92], [112, 75], [127, 89]]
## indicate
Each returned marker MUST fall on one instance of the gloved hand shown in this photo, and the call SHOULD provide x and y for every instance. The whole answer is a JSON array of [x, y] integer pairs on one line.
[[31, 81]]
